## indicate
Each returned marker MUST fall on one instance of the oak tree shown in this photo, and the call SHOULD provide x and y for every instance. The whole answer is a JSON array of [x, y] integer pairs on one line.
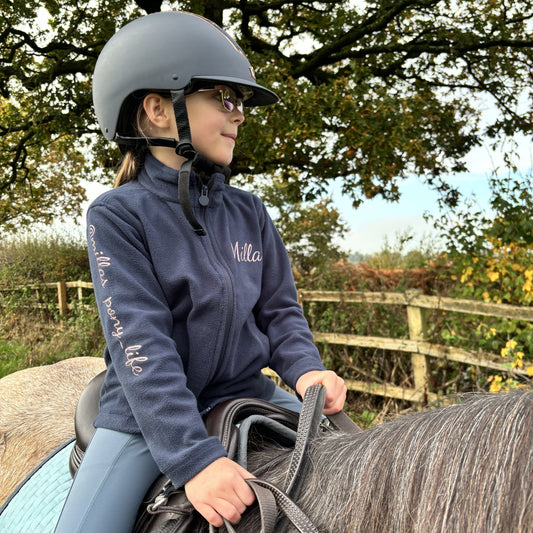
[[372, 92]]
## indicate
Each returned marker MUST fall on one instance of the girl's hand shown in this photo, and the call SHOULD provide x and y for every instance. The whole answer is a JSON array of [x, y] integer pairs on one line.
[[334, 385], [219, 490]]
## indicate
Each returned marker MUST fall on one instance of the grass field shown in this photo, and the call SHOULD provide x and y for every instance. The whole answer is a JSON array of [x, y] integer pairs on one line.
[[13, 357], [33, 339]]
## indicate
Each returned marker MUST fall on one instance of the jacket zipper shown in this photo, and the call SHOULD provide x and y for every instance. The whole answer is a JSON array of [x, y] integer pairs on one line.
[[204, 196], [222, 268]]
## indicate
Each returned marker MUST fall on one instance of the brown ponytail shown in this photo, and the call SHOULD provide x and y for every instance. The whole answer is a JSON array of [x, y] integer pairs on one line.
[[130, 166]]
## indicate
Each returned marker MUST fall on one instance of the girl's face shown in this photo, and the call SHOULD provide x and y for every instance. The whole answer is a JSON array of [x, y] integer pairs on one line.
[[213, 127]]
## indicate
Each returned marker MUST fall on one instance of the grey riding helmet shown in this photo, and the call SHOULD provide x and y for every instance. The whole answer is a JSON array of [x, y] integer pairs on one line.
[[168, 51]]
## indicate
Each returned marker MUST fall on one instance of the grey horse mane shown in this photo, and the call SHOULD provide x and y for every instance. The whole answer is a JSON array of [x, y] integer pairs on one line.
[[463, 468]]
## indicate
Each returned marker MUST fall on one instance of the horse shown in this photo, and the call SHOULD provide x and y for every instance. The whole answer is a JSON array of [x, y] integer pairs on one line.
[[37, 414], [467, 467]]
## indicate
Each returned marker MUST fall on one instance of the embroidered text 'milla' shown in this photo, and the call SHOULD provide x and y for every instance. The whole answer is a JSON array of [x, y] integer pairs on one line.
[[246, 253]]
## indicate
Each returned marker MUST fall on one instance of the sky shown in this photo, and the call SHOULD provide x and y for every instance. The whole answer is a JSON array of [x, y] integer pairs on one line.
[[377, 223]]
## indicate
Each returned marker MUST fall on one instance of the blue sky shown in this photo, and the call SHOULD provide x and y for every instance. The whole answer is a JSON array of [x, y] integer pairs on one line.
[[378, 222]]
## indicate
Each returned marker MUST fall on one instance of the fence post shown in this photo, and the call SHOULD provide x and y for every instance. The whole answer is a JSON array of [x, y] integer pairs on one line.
[[62, 297], [417, 331]]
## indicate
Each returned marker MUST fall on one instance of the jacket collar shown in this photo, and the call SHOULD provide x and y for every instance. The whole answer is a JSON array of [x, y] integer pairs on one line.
[[163, 181]]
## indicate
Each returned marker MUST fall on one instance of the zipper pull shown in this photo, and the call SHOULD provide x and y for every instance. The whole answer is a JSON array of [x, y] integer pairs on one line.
[[204, 198]]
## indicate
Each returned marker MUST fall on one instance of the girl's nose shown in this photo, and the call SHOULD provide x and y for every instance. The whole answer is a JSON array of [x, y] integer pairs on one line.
[[237, 116]]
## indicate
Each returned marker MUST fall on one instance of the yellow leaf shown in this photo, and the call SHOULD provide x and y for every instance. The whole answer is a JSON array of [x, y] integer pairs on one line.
[[495, 385], [493, 276], [466, 274], [511, 344]]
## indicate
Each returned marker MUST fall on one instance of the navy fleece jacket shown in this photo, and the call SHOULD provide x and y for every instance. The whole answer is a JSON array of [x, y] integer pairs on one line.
[[189, 320]]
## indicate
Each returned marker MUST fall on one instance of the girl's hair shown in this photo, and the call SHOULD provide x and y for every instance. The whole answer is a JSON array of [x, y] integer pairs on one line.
[[131, 165], [133, 160]]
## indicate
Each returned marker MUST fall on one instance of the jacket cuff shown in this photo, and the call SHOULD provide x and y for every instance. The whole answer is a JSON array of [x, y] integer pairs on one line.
[[193, 460]]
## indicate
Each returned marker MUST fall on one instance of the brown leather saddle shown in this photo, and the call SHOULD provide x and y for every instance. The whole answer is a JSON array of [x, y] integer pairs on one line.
[[230, 421]]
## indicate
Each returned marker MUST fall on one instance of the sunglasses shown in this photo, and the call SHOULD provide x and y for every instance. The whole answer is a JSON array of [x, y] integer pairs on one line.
[[229, 100]]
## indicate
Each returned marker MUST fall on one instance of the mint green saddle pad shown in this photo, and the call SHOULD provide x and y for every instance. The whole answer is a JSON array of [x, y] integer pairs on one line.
[[35, 505]]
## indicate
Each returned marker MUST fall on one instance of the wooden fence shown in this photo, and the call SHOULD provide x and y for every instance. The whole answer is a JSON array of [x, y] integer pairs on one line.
[[61, 287], [415, 304]]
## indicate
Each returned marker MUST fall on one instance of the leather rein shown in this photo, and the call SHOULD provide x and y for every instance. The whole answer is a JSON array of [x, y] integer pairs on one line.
[[269, 496]]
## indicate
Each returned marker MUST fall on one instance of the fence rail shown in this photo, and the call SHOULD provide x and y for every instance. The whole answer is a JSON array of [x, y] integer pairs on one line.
[[415, 304], [63, 305], [417, 345]]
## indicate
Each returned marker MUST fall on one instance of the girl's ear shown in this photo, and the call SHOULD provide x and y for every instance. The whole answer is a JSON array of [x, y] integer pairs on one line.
[[157, 109]]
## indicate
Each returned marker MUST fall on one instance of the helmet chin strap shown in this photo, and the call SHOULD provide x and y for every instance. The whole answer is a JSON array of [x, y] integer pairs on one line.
[[185, 148]]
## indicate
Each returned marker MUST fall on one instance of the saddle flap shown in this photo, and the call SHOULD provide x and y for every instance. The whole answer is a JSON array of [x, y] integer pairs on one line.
[[87, 410]]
